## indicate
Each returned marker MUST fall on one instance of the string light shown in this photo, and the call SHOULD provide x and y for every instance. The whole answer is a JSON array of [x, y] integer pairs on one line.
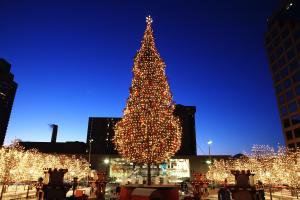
[[18, 165], [269, 166], [148, 132]]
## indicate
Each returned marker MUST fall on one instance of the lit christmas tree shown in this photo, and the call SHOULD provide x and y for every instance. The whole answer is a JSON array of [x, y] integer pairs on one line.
[[148, 133]]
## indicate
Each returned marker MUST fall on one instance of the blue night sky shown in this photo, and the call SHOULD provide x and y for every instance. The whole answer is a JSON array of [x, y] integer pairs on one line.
[[73, 59]]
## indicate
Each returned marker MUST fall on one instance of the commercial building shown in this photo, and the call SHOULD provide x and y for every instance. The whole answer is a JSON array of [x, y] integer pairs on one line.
[[101, 132], [71, 148], [99, 150], [8, 88], [282, 41]]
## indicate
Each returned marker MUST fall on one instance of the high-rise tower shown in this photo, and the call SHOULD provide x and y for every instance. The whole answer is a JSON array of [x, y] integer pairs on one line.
[[8, 89], [282, 41]]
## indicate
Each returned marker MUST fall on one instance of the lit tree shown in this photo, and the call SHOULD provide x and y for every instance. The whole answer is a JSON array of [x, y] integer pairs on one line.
[[148, 133], [269, 166]]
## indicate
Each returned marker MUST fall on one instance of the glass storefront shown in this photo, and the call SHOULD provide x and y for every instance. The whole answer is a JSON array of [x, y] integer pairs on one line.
[[175, 170]]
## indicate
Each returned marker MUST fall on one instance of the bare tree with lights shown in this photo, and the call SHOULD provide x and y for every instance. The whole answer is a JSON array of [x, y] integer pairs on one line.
[[148, 133]]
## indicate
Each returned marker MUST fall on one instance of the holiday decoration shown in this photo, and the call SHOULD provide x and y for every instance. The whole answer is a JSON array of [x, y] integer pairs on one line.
[[281, 167], [148, 133], [20, 166]]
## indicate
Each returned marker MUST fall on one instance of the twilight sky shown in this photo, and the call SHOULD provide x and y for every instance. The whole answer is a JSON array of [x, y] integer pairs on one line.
[[73, 59]]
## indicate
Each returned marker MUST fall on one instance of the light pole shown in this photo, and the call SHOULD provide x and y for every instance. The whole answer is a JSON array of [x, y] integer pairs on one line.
[[90, 150], [209, 144]]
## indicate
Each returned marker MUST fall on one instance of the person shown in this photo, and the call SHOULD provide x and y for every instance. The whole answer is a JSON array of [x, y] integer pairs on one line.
[[224, 194], [260, 190], [39, 189]]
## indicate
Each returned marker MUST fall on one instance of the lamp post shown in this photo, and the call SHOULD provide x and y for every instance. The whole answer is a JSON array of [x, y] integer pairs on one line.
[[106, 162], [209, 146], [90, 150]]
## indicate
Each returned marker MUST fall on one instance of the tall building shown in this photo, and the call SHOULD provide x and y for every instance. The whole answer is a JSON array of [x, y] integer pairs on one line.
[[101, 132], [282, 42], [8, 88]]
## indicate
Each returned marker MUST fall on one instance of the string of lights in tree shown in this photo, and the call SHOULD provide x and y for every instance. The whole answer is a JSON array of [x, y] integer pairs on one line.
[[18, 165], [148, 132], [269, 166]]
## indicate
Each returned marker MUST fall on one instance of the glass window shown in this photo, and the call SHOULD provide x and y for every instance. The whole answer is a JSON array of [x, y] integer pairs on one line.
[[279, 88], [284, 72], [291, 54], [289, 135], [297, 133], [287, 83], [297, 34], [281, 61], [283, 111], [274, 32], [268, 39], [285, 32], [281, 99], [292, 107], [279, 51], [286, 123], [272, 57], [270, 48], [287, 43], [298, 47], [295, 119], [277, 77], [275, 67], [289, 95], [276, 41], [297, 90], [296, 77], [294, 66]]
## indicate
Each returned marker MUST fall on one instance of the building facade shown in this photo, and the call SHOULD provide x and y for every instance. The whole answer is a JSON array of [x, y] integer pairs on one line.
[[282, 41], [101, 132], [8, 88]]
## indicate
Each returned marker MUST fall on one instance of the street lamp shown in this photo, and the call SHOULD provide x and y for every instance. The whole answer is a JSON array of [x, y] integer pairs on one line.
[[106, 161], [209, 145], [90, 150]]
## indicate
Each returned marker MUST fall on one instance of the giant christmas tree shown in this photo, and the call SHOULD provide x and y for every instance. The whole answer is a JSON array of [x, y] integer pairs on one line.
[[148, 133]]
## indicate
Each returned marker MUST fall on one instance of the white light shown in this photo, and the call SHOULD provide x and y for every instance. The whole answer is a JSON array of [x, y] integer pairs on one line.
[[106, 161], [209, 142], [208, 162]]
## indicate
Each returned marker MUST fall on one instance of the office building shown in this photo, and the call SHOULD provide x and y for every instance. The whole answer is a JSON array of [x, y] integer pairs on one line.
[[8, 88], [101, 132], [282, 42]]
